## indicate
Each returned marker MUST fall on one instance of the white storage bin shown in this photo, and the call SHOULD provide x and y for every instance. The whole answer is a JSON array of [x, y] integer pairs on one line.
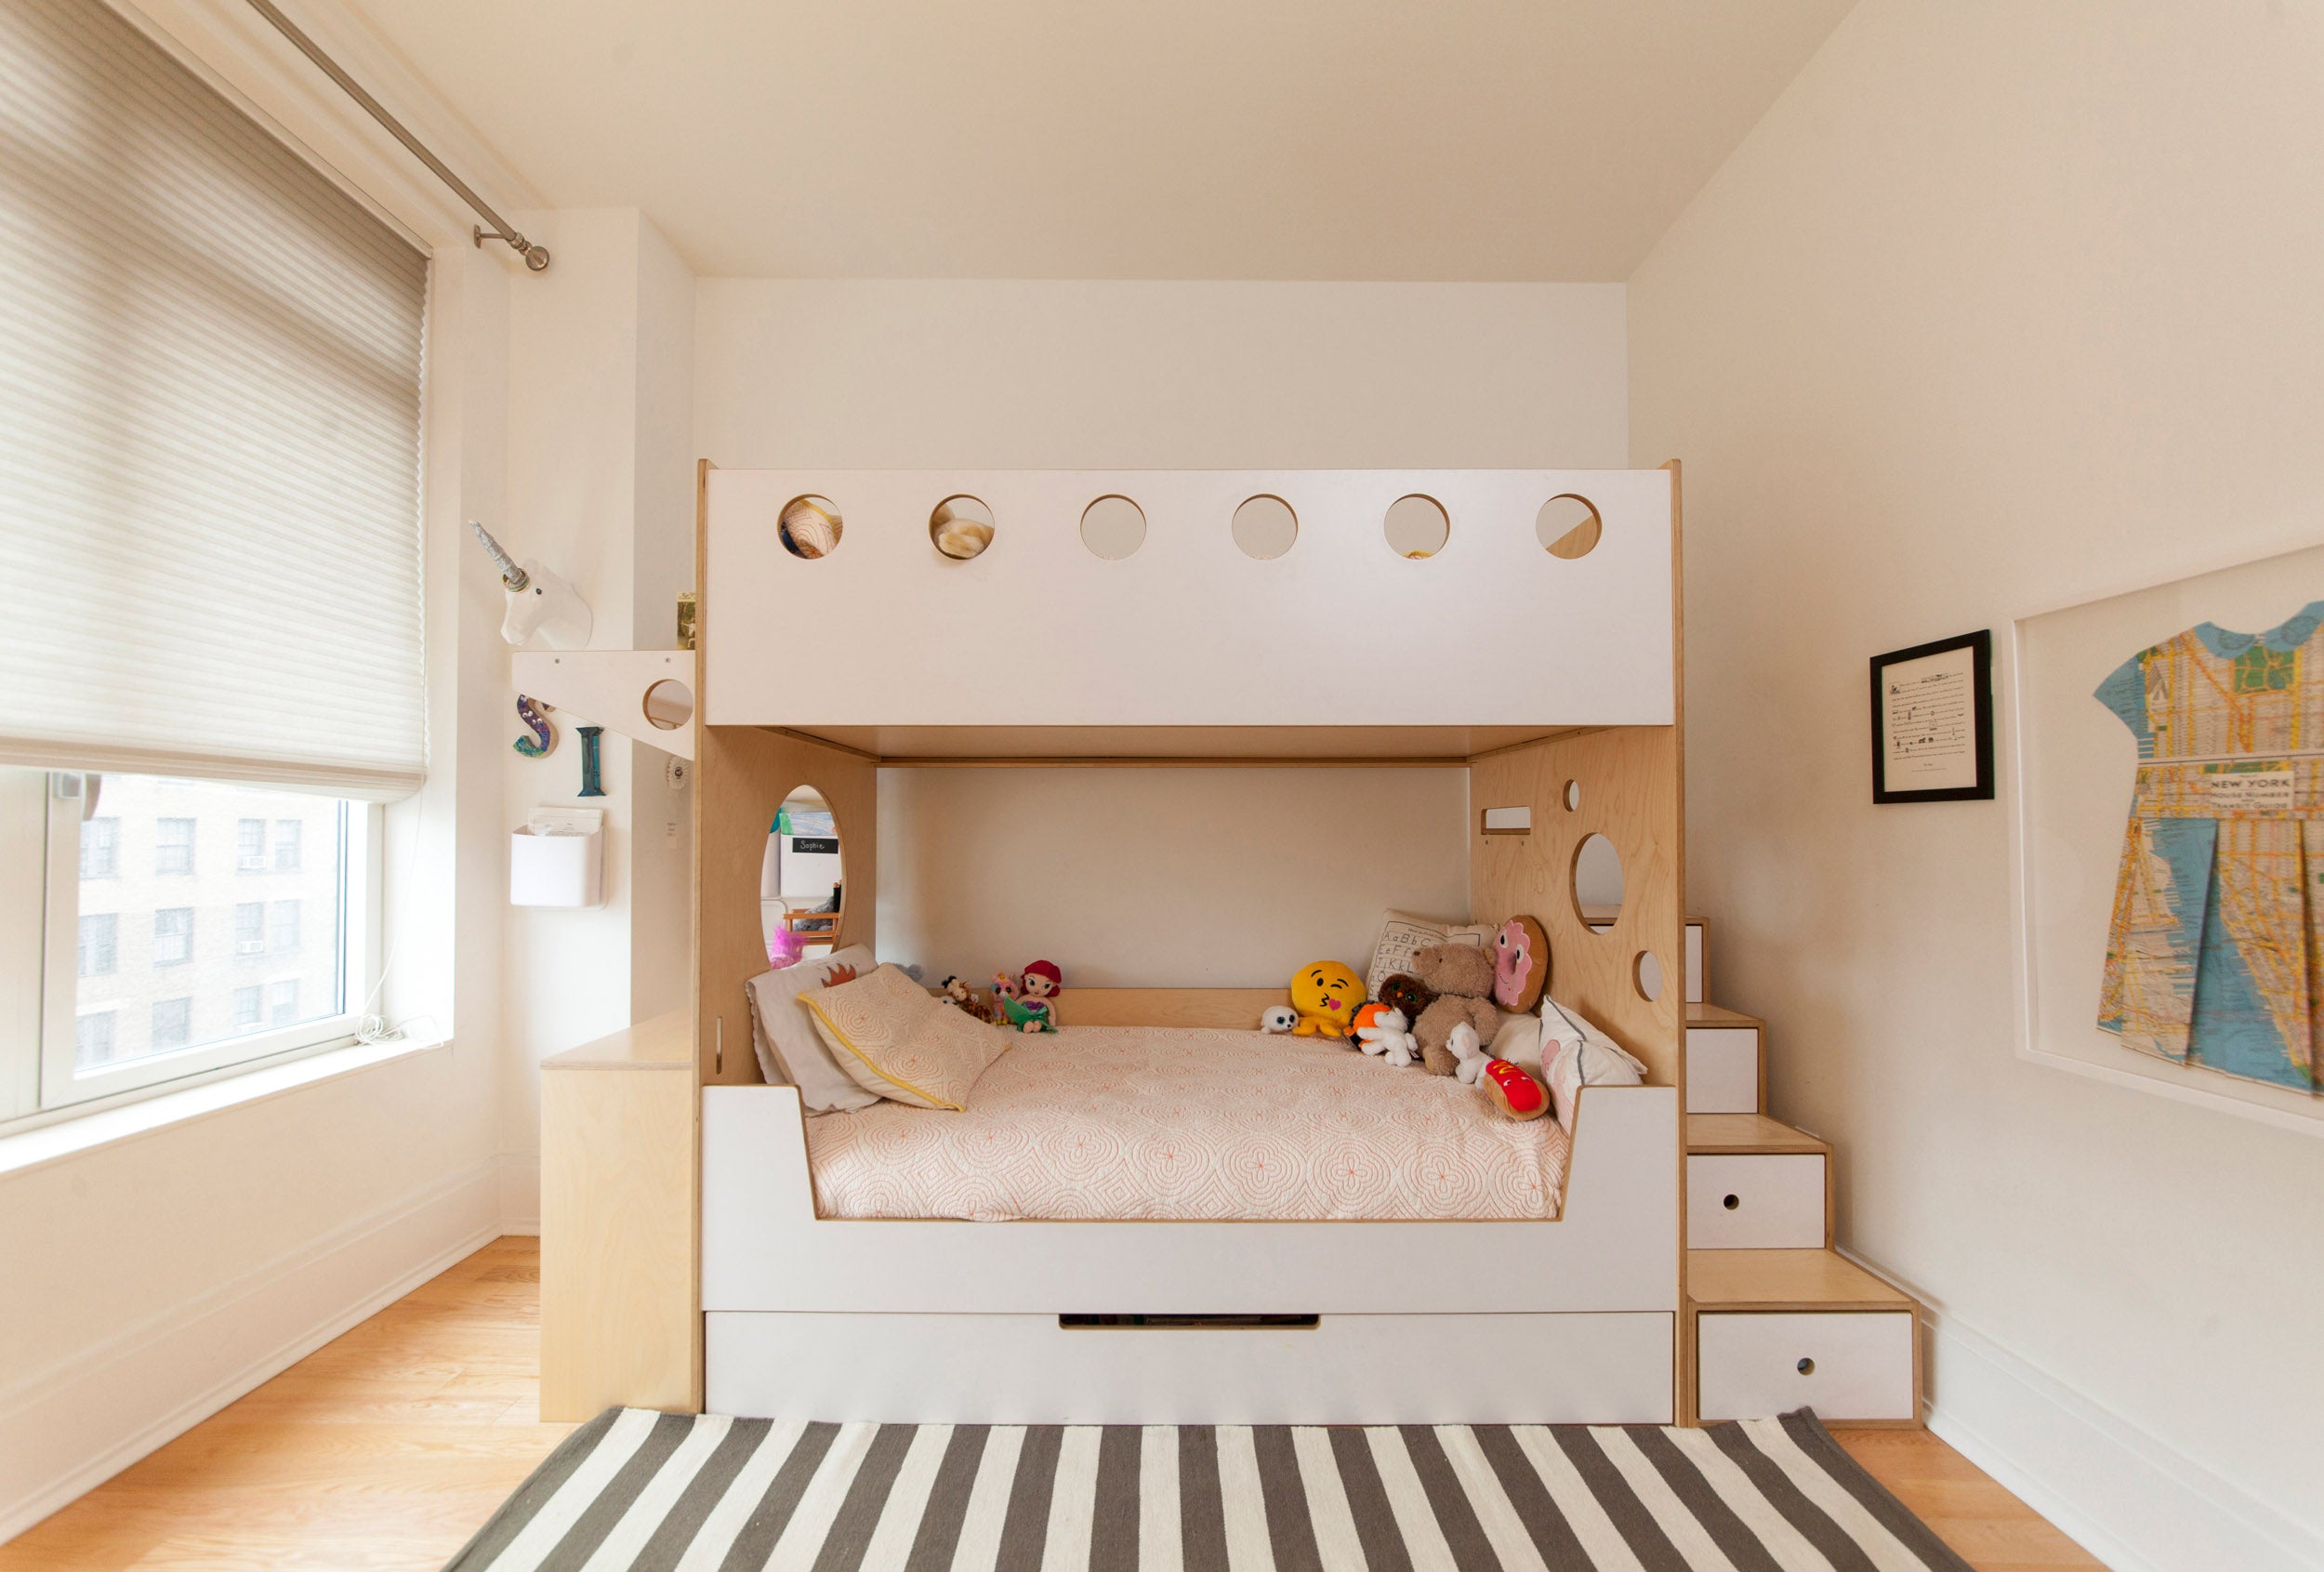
[[1722, 1069], [1775, 1202], [1846, 1365], [558, 859]]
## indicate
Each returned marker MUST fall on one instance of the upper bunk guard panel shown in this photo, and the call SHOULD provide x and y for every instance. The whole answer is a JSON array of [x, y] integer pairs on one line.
[[1187, 631]]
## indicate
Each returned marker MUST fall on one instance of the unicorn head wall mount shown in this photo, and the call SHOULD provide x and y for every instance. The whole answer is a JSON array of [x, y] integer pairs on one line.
[[539, 603]]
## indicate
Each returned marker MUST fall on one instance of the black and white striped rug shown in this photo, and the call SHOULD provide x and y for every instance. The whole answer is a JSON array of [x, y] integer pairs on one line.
[[682, 1493]]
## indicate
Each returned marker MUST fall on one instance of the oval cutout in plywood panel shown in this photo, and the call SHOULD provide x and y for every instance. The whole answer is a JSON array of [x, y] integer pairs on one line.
[[1113, 527], [810, 527], [1572, 797], [800, 882], [1597, 882], [1417, 527], [961, 527], [670, 704], [1568, 525], [1264, 527], [1645, 970]]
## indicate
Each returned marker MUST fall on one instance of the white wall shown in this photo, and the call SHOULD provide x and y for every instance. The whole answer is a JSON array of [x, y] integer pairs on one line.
[[601, 489], [1189, 878], [2001, 305], [1030, 374]]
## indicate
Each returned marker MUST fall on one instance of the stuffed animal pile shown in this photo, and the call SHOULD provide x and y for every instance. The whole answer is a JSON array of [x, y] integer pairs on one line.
[[1440, 1014]]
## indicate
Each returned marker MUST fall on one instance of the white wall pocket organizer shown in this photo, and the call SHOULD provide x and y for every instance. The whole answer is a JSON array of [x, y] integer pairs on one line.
[[557, 859]]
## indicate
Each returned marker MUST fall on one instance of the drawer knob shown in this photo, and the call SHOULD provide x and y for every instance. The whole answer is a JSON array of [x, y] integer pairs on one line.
[[1732, 1202], [1806, 1367]]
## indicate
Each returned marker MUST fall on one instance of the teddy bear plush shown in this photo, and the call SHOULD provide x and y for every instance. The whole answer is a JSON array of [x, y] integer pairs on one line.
[[1460, 976]]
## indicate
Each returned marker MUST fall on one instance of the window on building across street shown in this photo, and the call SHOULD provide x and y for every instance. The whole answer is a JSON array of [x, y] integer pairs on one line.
[[286, 834], [250, 846], [173, 847], [96, 951], [173, 936], [100, 849]]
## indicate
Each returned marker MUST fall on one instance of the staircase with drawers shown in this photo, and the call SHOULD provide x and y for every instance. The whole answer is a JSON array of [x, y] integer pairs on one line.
[[1774, 1317]]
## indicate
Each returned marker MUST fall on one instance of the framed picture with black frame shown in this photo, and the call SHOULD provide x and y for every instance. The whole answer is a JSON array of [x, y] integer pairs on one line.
[[1933, 722]]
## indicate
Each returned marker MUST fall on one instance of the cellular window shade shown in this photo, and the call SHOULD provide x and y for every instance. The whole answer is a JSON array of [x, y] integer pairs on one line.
[[209, 433]]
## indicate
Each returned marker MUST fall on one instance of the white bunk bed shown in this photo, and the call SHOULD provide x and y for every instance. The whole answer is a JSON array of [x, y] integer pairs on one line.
[[1566, 717]]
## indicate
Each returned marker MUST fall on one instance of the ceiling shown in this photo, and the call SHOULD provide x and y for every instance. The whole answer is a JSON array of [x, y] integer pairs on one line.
[[1473, 139]]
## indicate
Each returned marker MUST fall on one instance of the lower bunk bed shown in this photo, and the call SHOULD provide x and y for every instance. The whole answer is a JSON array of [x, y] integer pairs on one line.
[[1152, 1225]]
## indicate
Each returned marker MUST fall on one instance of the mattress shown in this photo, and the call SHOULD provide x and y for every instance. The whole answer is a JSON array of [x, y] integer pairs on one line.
[[1191, 1124]]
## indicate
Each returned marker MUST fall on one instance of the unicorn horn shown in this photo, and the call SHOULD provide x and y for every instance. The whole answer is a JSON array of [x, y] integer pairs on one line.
[[512, 578]]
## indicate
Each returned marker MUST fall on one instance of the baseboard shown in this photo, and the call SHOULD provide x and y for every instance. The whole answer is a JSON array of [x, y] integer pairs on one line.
[[520, 1192], [67, 1429], [2131, 1500]]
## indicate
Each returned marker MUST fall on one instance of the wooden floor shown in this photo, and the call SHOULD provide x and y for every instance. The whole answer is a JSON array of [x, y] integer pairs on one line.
[[389, 1447]]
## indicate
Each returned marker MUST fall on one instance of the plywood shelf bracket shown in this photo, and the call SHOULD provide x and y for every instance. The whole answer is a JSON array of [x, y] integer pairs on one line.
[[608, 687]]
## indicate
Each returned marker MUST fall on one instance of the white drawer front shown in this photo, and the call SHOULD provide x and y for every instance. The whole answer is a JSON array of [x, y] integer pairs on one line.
[[1722, 1069], [1755, 1203], [1846, 1365]]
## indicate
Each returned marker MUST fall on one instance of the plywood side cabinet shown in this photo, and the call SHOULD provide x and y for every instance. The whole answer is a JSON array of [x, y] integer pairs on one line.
[[619, 1319]]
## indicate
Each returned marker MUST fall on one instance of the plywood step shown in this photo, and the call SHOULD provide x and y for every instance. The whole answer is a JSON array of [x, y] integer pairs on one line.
[[1755, 1183], [1747, 1135], [1769, 1330]]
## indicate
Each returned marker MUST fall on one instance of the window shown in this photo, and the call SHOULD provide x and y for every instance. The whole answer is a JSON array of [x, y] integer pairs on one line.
[[173, 936], [97, 950], [283, 931], [173, 847], [250, 846], [100, 849], [173, 1023], [116, 1014], [212, 416], [93, 1038]]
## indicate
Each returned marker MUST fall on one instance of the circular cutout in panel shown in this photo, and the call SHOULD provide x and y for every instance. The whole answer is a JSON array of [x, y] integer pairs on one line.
[[961, 527], [1265, 526], [800, 887], [810, 527], [1597, 882], [1417, 527], [1568, 525], [670, 704], [1572, 797], [1645, 970], [1113, 527]]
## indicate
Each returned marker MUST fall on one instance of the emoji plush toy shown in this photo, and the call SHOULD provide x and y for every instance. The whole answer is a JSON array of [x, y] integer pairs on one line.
[[1521, 965], [1326, 994]]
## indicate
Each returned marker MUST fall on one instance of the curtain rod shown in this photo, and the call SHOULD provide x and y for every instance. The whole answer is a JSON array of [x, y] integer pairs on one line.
[[536, 256]]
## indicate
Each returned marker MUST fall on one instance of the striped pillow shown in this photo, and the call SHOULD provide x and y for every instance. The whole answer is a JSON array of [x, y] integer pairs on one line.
[[891, 1036]]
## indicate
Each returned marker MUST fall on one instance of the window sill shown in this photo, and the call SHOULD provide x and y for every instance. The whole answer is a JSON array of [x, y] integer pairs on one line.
[[70, 1138]]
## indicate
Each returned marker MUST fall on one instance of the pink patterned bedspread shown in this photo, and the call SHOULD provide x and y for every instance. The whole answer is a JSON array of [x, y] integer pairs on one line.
[[1184, 1124]]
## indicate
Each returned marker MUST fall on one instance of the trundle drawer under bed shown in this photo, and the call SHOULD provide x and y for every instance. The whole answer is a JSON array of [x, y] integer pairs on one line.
[[1609, 1367]]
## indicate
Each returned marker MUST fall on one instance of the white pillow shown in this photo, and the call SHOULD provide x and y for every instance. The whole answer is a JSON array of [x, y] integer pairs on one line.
[[1403, 936], [1577, 1055], [791, 1052]]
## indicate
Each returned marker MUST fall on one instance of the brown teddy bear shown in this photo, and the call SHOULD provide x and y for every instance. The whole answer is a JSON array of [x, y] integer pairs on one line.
[[1460, 978]]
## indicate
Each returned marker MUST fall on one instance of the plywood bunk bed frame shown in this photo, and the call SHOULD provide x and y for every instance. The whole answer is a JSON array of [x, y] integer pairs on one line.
[[1190, 652]]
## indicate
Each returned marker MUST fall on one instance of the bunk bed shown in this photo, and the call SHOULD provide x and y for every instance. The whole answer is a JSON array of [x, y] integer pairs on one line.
[[1566, 723]]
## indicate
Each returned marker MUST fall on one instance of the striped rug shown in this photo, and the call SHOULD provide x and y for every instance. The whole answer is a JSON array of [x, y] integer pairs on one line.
[[685, 1493]]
